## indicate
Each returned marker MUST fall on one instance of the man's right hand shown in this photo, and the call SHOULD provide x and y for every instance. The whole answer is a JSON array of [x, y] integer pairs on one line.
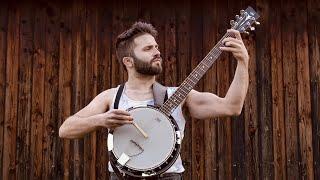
[[114, 118]]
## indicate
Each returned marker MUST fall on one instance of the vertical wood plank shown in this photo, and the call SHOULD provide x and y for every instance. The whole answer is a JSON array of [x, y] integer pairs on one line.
[[264, 94], [197, 135], [304, 99], [210, 85], [51, 144], [37, 111], [117, 28], [290, 90], [65, 86], [3, 60], [26, 52], [78, 72], [11, 101], [277, 93], [170, 46], [314, 61]]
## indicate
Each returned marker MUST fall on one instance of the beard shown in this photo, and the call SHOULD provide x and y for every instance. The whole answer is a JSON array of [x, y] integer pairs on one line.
[[148, 68]]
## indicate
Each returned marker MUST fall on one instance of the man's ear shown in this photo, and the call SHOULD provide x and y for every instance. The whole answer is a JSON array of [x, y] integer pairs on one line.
[[128, 61]]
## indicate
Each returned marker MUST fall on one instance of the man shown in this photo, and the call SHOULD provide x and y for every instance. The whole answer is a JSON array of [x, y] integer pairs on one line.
[[138, 51]]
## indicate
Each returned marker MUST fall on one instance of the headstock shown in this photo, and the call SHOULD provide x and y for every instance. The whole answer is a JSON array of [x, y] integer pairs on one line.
[[245, 21]]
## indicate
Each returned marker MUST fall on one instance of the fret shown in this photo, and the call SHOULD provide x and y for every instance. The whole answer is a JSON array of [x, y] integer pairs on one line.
[[191, 79], [200, 68], [182, 92]]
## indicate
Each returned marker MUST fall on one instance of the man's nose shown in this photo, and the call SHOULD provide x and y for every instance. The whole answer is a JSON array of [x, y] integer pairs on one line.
[[157, 53]]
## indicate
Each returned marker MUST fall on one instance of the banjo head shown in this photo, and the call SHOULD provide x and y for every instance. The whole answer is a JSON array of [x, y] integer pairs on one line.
[[141, 156]]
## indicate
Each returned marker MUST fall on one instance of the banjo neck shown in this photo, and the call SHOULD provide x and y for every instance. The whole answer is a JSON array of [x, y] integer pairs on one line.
[[194, 77], [241, 23]]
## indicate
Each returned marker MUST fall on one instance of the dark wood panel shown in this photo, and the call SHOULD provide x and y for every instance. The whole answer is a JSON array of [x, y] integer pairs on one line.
[[51, 142], [304, 101], [314, 57], [264, 93], [290, 90], [11, 101], [26, 53], [3, 60], [37, 109], [279, 147]]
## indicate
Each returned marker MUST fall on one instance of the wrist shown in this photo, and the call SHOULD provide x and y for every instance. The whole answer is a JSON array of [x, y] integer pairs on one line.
[[243, 63], [98, 120]]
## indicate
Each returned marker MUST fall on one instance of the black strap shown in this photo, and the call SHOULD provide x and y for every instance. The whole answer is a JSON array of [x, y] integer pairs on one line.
[[118, 96], [116, 170]]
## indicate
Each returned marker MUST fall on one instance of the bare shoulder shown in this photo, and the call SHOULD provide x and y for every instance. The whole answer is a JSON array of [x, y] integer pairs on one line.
[[106, 96], [109, 94]]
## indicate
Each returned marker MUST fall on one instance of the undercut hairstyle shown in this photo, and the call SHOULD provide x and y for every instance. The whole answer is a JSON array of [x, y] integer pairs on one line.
[[124, 42]]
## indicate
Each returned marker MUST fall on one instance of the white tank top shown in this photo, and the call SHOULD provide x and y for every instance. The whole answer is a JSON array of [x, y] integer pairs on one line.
[[125, 102]]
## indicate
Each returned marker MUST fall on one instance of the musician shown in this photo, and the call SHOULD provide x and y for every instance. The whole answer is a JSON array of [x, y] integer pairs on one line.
[[138, 51]]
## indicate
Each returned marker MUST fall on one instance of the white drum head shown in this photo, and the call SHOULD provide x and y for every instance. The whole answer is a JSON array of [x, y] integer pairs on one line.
[[145, 153]]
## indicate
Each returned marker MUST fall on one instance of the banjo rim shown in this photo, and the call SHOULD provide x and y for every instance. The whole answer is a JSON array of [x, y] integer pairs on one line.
[[161, 168]]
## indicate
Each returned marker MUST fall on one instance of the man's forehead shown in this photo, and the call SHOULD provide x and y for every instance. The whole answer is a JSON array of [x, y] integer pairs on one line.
[[145, 40]]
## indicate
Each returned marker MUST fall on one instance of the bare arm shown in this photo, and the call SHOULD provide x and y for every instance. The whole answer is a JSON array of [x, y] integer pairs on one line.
[[207, 105], [94, 116]]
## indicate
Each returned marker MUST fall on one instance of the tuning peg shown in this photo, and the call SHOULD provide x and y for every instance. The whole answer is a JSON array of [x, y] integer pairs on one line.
[[242, 12], [257, 23], [252, 28], [237, 17], [232, 23]]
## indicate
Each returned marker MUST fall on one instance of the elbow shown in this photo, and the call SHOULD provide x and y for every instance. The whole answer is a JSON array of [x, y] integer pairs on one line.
[[236, 110], [62, 133], [63, 130]]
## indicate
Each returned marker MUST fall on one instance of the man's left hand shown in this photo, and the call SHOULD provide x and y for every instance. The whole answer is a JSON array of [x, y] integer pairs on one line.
[[236, 46]]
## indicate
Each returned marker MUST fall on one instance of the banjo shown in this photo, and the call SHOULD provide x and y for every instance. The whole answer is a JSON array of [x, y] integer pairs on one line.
[[151, 144]]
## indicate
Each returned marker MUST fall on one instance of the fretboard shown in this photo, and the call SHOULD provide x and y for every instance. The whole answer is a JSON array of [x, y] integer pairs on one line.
[[194, 77]]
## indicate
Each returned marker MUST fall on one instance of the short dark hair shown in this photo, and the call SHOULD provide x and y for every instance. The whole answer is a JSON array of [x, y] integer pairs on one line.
[[124, 42]]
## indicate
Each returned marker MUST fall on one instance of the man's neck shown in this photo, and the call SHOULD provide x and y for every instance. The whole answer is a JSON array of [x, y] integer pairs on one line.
[[140, 82]]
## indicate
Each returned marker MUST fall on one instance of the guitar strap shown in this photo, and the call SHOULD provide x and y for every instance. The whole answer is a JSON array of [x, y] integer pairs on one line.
[[160, 95]]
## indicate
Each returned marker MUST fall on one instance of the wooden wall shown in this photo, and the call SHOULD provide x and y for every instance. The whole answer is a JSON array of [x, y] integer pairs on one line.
[[55, 57]]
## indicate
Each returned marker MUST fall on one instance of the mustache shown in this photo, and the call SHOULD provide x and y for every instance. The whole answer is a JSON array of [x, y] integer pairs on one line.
[[157, 59]]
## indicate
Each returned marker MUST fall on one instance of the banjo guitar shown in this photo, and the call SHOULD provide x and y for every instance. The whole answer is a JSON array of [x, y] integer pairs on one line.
[[153, 145]]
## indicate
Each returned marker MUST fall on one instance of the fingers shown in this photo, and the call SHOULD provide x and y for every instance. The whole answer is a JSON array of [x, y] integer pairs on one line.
[[235, 33], [229, 41], [120, 111], [229, 49]]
